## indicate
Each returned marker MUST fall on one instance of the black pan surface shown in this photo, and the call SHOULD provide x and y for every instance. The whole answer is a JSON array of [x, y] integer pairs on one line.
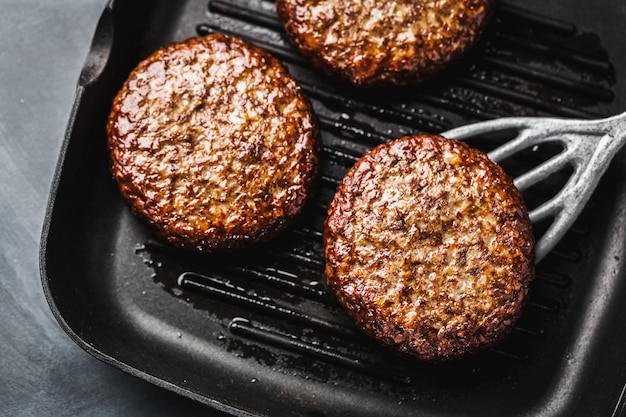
[[255, 332]]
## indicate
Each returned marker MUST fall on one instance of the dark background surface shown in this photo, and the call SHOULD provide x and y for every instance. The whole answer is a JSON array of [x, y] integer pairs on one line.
[[42, 372]]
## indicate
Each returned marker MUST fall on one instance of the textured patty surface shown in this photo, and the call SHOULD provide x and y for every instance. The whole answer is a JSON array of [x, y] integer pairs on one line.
[[213, 143], [371, 42], [429, 247]]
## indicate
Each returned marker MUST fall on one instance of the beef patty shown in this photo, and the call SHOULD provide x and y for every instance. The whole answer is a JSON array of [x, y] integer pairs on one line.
[[213, 144], [369, 43], [429, 247]]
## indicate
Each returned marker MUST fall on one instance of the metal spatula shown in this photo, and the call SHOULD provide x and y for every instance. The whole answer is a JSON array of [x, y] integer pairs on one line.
[[588, 147]]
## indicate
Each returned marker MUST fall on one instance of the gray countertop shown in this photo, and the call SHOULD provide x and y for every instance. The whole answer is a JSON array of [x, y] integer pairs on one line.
[[43, 45]]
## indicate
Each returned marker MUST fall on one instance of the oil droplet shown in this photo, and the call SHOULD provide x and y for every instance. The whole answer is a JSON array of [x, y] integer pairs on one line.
[[254, 380]]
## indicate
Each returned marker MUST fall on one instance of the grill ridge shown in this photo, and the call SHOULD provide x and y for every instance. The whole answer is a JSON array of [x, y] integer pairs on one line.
[[252, 15], [245, 328], [220, 288]]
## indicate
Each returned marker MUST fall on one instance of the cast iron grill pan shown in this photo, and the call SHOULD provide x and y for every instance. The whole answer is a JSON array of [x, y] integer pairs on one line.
[[256, 331]]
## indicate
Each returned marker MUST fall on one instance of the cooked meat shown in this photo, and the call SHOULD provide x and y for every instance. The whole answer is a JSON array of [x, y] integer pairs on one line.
[[213, 144], [429, 247], [370, 43]]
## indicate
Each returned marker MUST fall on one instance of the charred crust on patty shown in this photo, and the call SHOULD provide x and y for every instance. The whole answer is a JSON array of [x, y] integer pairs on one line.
[[213, 144], [397, 42], [429, 247]]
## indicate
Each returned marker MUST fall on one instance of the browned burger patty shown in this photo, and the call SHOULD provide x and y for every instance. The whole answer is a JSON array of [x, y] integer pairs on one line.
[[213, 144], [369, 43], [429, 247]]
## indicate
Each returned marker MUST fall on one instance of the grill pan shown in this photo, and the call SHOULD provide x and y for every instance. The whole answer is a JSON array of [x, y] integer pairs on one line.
[[256, 332]]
